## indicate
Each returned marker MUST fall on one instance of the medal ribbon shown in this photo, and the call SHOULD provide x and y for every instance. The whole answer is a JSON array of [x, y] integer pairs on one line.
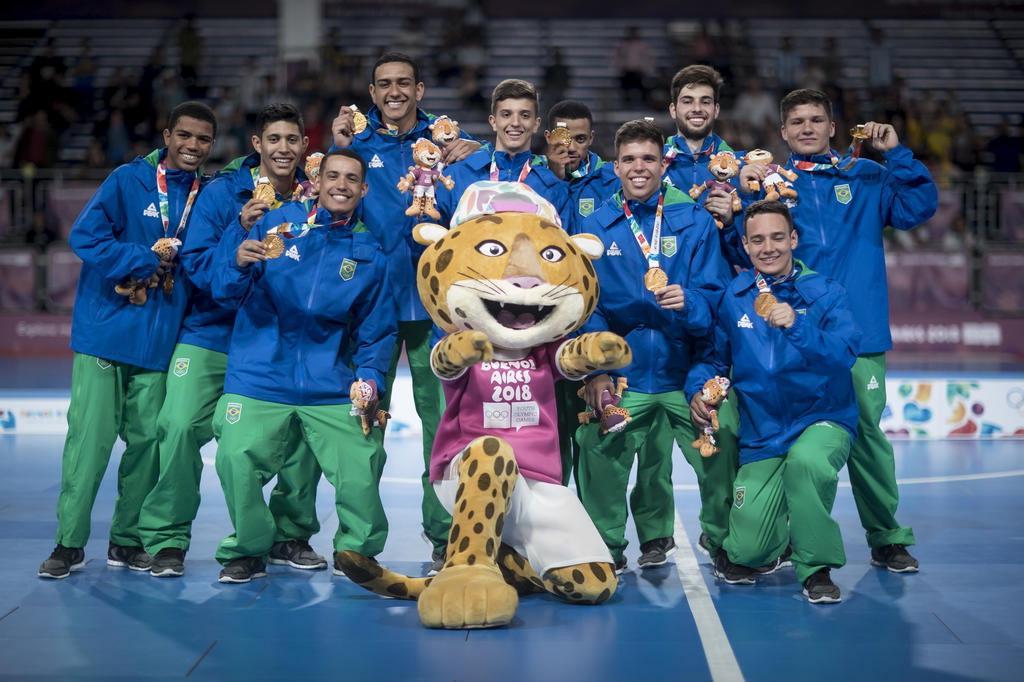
[[651, 251], [762, 284], [582, 171], [523, 172], [297, 230], [165, 206], [813, 166]]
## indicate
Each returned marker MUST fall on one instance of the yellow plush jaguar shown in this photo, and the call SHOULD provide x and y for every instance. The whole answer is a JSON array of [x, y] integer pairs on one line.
[[507, 285]]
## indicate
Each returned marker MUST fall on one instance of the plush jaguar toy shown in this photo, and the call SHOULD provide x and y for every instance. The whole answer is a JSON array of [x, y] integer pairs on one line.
[[507, 288]]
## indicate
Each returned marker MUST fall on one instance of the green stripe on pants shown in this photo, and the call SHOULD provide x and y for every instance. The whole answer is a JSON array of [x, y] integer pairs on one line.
[[429, 400], [195, 382], [872, 463], [789, 499], [108, 399], [605, 463], [256, 439]]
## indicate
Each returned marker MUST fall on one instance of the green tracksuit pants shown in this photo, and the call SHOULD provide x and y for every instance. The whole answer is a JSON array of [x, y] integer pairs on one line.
[[256, 439], [429, 400], [788, 499], [108, 399], [605, 462], [872, 464], [195, 382]]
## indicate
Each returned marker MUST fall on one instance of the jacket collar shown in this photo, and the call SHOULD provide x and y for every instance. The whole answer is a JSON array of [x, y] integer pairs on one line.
[[375, 126], [147, 169], [711, 146], [747, 279]]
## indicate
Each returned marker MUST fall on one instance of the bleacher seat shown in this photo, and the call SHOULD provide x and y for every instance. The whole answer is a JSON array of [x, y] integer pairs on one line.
[[62, 268], [17, 279]]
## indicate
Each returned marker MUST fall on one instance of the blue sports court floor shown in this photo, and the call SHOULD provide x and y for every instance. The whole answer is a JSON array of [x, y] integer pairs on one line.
[[958, 619]]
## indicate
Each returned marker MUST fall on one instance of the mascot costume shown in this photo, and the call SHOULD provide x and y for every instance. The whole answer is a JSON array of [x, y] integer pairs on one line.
[[507, 285]]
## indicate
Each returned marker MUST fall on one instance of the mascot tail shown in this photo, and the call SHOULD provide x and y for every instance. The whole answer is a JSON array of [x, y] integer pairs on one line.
[[370, 575]]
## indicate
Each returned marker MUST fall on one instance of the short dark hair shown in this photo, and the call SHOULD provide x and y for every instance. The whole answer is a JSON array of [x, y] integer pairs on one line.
[[348, 154], [639, 130], [570, 109], [193, 109], [513, 88], [696, 74], [763, 207], [804, 96], [278, 111], [390, 57]]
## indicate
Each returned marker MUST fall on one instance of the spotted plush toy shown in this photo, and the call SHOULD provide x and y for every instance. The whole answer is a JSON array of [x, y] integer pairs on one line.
[[507, 287]]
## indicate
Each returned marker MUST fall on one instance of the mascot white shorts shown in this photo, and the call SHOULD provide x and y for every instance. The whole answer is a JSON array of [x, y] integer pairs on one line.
[[546, 523]]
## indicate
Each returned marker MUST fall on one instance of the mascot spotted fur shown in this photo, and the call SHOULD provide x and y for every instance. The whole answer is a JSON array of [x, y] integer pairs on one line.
[[506, 284]]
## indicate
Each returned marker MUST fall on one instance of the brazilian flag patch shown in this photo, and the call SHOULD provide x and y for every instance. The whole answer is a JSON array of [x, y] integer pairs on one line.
[[843, 194], [233, 413], [348, 269], [586, 207], [668, 246], [181, 367], [739, 496]]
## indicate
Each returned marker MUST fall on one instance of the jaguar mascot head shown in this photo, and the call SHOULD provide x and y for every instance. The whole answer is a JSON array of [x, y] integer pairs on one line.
[[506, 284], [514, 275]]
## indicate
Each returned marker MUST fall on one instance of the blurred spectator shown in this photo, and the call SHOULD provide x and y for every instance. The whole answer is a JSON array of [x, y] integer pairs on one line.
[[789, 66], [1005, 150], [702, 47], [831, 62], [95, 157], [46, 67], [190, 55], [251, 94], [557, 78], [118, 139], [754, 106], [966, 145], [879, 62], [410, 39], [8, 142], [317, 127], [169, 94], [83, 79], [38, 143], [634, 62]]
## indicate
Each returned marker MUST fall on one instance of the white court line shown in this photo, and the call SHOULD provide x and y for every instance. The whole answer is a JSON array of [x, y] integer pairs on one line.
[[721, 659]]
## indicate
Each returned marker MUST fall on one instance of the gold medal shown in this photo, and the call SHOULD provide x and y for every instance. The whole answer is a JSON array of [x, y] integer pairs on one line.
[[264, 191], [560, 136], [654, 279], [273, 246], [358, 120], [857, 132], [764, 303]]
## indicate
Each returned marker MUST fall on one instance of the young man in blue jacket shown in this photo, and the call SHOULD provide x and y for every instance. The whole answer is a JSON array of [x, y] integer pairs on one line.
[[121, 347], [394, 123], [842, 207], [591, 180], [788, 337], [514, 117], [661, 278], [316, 322], [195, 380]]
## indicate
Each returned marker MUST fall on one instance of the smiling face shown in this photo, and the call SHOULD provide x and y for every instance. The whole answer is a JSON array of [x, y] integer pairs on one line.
[[808, 129], [639, 166], [695, 111], [582, 138], [516, 277], [396, 93], [189, 144], [340, 184], [515, 122], [769, 242], [280, 146], [425, 153]]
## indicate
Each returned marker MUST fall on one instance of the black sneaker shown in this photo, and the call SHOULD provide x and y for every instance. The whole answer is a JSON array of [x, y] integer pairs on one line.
[[896, 558], [297, 554], [620, 566], [733, 574], [62, 561], [782, 561], [169, 562], [134, 558], [436, 562], [819, 588], [704, 546], [243, 570], [656, 552]]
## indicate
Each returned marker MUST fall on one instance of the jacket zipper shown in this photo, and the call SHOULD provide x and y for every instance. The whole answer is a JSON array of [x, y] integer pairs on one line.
[[306, 316], [817, 207]]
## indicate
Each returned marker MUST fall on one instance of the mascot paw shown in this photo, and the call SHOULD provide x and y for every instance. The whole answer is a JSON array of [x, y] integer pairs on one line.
[[606, 350], [468, 597], [468, 348]]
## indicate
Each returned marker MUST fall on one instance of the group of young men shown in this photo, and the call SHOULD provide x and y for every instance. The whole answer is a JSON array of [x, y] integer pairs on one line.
[[274, 313]]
